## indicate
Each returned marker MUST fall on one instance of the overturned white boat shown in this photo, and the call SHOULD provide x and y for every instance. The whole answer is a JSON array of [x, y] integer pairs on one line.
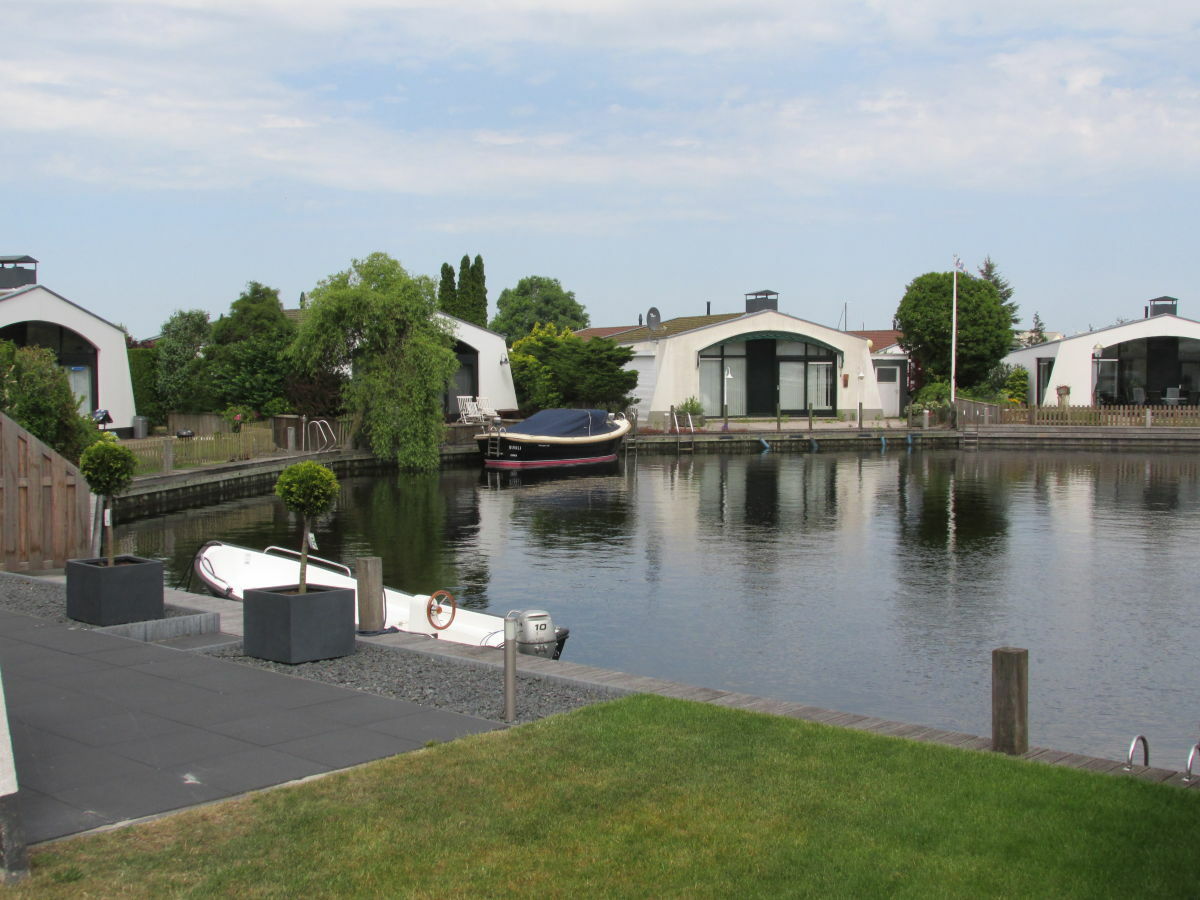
[[229, 570]]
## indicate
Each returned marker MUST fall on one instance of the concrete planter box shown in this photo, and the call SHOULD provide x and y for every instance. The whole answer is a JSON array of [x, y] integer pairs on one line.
[[129, 591], [281, 625]]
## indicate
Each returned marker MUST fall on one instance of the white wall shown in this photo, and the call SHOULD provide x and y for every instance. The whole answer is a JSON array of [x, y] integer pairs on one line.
[[495, 374], [679, 371], [113, 385]]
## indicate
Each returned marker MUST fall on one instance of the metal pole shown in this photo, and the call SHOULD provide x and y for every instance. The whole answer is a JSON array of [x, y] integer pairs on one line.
[[954, 333], [510, 667]]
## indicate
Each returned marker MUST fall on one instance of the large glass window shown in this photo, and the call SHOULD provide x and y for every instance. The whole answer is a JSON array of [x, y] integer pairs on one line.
[[791, 385], [820, 386]]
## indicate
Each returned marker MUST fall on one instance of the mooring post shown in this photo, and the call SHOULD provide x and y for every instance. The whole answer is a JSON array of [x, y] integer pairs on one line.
[[510, 667], [860, 416], [168, 454], [291, 439], [370, 593], [778, 416], [1010, 700]]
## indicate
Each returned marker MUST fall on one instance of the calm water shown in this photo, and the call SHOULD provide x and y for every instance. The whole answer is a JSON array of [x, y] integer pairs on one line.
[[869, 583]]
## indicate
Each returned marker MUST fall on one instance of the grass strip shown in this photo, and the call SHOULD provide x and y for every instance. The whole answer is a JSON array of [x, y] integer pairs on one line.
[[653, 797]]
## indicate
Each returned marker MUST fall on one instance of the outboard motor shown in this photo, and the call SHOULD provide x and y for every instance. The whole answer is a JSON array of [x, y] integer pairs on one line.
[[536, 634]]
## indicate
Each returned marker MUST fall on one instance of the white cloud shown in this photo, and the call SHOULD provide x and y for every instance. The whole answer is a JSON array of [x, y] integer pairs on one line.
[[702, 97]]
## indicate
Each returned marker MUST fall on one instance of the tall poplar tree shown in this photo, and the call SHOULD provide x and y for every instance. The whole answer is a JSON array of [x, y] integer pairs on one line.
[[476, 307], [464, 287], [447, 292]]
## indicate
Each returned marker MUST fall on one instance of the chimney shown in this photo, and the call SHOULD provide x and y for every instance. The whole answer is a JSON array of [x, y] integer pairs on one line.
[[14, 272], [1162, 306], [756, 301]]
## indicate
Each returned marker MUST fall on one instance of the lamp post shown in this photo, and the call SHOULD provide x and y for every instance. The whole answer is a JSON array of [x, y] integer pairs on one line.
[[1097, 353], [725, 405]]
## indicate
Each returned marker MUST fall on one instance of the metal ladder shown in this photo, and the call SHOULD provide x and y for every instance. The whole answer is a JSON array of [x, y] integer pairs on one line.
[[680, 445]]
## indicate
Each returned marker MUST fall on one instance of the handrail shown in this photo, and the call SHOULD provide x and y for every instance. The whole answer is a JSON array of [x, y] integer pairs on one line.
[[325, 562], [1145, 752], [324, 436], [1187, 775], [206, 564]]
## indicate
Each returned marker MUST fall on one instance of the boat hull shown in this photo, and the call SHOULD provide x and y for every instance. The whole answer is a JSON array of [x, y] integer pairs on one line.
[[502, 452]]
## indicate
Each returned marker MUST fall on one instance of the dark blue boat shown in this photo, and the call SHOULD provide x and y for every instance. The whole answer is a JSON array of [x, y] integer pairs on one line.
[[554, 438]]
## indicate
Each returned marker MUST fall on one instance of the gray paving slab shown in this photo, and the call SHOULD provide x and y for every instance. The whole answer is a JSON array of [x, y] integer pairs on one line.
[[106, 729]]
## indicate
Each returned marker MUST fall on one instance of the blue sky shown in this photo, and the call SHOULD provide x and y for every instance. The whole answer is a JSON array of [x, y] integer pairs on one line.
[[159, 154]]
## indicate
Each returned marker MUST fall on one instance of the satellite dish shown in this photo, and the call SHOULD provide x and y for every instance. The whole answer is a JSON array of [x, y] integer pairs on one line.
[[653, 319]]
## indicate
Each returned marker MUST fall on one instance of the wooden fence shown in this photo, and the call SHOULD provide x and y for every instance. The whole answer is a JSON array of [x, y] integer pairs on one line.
[[1112, 416], [45, 505], [159, 454]]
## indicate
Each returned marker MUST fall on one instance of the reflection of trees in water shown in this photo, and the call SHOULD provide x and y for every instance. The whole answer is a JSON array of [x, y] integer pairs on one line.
[[954, 503]]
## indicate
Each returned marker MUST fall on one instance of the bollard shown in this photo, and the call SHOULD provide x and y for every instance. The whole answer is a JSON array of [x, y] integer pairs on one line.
[[1010, 700], [370, 593], [168, 454], [925, 419], [291, 439], [510, 667], [860, 416]]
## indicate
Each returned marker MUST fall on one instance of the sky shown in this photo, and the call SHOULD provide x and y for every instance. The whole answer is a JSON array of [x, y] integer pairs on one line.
[[160, 154]]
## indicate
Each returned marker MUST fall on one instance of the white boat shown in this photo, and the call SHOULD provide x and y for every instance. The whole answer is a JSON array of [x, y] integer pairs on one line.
[[229, 570]]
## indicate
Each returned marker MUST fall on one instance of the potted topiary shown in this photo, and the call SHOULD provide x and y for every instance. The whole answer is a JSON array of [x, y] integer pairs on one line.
[[300, 622], [112, 590]]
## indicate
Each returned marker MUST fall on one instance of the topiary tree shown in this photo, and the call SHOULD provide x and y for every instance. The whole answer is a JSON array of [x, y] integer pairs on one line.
[[108, 468], [309, 489]]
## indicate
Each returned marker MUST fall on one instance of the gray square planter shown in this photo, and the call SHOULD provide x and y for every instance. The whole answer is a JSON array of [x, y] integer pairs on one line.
[[130, 591], [281, 625]]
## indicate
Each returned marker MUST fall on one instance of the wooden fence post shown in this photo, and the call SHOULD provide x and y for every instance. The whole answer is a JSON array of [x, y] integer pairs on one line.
[[1010, 700], [370, 593]]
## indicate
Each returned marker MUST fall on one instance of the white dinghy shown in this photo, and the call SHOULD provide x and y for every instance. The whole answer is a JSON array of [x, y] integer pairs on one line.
[[229, 570]]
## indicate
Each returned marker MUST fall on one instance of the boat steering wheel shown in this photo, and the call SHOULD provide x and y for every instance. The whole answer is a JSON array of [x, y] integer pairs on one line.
[[441, 609]]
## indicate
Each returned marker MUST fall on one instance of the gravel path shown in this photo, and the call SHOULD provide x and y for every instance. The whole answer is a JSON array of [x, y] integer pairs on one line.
[[461, 687]]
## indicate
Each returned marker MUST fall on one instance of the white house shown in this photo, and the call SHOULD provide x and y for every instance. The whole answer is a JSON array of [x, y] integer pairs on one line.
[[1155, 359], [750, 364], [483, 367], [91, 349]]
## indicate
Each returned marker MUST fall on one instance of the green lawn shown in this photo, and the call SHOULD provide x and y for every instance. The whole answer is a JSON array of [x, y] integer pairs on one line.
[[651, 797]]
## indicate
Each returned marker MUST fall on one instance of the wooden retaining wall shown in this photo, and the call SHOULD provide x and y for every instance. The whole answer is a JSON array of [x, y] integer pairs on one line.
[[45, 505]]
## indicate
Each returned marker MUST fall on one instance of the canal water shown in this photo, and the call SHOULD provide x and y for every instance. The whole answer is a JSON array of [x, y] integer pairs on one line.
[[874, 583]]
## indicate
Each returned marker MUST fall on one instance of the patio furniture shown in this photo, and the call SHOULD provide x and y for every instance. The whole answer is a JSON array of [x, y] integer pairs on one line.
[[1171, 397], [1139, 396], [468, 411]]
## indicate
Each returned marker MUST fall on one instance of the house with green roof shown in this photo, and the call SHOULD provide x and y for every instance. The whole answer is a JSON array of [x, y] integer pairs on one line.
[[751, 363]]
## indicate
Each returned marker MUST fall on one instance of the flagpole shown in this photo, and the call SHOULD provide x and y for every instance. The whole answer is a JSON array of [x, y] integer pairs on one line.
[[954, 333]]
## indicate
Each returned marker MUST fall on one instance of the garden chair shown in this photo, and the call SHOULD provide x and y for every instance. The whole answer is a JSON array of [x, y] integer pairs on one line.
[[468, 412], [1171, 397], [1139, 396], [483, 407]]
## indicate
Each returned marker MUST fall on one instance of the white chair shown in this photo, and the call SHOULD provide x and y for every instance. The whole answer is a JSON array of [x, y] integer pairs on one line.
[[483, 407], [468, 413], [1171, 396], [1139, 396]]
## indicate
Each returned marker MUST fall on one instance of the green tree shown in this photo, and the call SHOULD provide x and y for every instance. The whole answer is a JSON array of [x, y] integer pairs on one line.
[[464, 287], [1037, 333], [475, 309], [448, 292], [989, 273], [247, 353], [108, 469], [536, 299], [308, 489], [35, 393], [143, 373], [924, 319], [183, 379], [379, 323], [552, 367]]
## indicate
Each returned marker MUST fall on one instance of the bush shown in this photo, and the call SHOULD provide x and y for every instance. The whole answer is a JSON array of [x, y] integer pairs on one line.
[[690, 406], [934, 395], [308, 489]]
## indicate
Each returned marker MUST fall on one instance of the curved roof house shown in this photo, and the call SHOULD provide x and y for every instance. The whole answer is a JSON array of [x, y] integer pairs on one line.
[[91, 349], [1155, 359], [748, 363]]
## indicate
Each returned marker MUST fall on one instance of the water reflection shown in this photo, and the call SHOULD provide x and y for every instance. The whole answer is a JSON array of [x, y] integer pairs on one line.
[[874, 583]]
